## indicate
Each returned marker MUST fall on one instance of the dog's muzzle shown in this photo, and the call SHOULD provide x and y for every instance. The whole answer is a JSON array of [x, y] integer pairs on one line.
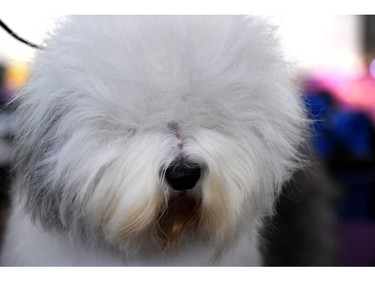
[[183, 176], [181, 212]]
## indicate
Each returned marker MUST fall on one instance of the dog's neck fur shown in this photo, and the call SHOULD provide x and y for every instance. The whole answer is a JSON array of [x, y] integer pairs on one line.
[[51, 249]]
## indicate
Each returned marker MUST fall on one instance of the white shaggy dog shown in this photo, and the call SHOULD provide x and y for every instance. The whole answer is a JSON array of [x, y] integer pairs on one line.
[[152, 141]]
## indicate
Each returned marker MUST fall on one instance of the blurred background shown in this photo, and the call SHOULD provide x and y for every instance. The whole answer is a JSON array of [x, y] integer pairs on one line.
[[335, 56]]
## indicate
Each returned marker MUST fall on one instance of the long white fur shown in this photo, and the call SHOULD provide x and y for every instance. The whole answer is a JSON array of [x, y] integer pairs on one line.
[[109, 88]]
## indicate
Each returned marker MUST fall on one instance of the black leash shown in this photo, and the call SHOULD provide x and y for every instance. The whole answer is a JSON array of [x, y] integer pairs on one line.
[[14, 35]]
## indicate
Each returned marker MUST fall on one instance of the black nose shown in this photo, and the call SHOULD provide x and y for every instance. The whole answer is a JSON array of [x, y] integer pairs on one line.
[[183, 176]]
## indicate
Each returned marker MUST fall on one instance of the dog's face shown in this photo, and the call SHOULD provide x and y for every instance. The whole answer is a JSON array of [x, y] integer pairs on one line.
[[141, 129]]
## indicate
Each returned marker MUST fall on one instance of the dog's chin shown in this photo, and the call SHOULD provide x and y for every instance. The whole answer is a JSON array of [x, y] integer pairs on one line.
[[177, 217], [181, 215]]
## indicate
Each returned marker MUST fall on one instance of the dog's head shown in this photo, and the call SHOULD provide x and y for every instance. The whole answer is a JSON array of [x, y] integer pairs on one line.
[[135, 129]]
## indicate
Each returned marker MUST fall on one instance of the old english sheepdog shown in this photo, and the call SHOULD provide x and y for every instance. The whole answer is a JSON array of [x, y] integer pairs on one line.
[[152, 140]]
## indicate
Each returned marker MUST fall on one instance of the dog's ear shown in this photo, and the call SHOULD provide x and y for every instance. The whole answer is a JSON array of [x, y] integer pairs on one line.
[[11, 105], [298, 233]]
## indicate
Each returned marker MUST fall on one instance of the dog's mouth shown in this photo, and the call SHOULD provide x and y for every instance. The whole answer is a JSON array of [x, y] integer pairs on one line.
[[180, 214]]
